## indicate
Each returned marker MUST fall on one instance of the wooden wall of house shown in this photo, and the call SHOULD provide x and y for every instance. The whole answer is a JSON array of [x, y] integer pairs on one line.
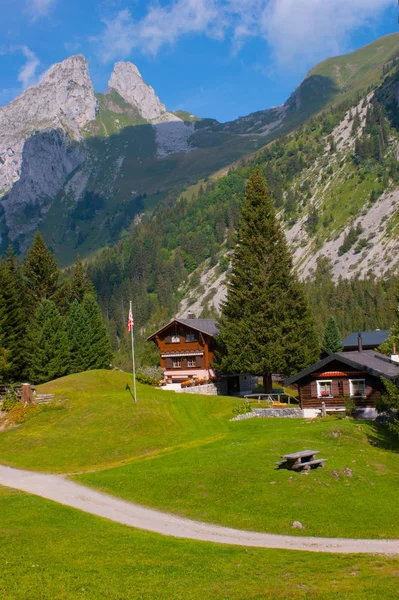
[[203, 343], [340, 388]]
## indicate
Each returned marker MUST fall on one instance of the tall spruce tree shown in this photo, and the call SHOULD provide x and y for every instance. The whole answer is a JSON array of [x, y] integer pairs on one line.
[[266, 325], [393, 339], [49, 355], [80, 284], [332, 337], [79, 337], [101, 353], [13, 319], [41, 273], [4, 353]]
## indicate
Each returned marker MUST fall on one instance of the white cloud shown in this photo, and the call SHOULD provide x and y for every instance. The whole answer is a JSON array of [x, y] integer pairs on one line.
[[294, 29], [315, 28], [39, 8], [28, 73]]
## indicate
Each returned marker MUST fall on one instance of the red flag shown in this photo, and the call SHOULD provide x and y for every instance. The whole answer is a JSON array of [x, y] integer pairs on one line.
[[130, 321]]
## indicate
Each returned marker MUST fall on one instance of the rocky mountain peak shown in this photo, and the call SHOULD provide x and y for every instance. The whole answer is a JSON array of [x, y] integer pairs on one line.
[[127, 81], [35, 132], [64, 96]]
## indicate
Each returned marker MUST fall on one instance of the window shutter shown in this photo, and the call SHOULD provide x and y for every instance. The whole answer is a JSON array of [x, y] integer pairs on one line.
[[313, 389], [169, 363], [198, 361], [168, 339], [334, 386]]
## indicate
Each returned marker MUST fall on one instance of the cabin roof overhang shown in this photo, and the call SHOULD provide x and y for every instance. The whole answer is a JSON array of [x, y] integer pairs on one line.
[[205, 326], [370, 362]]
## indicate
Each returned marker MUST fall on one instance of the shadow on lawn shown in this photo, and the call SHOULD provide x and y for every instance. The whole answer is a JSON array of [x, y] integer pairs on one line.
[[381, 436], [129, 389]]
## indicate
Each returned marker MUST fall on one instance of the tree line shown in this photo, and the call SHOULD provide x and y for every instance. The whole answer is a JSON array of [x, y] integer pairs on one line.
[[49, 326]]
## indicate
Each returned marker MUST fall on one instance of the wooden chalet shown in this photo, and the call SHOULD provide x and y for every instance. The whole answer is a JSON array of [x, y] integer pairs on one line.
[[187, 348], [356, 374]]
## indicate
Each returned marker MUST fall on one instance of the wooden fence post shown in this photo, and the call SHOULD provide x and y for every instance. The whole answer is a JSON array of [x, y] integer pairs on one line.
[[27, 395]]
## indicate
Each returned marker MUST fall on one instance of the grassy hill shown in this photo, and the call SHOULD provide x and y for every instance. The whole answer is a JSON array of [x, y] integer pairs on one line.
[[356, 71], [180, 453], [94, 423]]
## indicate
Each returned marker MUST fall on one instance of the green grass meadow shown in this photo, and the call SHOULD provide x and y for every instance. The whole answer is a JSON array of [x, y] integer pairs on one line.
[[51, 552], [233, 481], [181, 453], [94, 423]]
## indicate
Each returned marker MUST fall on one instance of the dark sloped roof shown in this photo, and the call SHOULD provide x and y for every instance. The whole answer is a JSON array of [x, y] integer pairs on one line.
[[369, 361], [369, 338], [207, 326]]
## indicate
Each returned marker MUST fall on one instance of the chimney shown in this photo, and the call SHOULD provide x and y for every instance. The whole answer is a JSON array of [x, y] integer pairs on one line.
[[359, 342], [190, 314], [394, 355]]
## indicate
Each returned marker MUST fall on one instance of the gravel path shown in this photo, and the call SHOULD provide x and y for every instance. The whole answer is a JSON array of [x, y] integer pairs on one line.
[[59, 489]]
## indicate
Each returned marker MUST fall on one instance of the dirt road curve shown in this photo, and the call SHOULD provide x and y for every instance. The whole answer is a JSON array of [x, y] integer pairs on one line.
[[59, 489]]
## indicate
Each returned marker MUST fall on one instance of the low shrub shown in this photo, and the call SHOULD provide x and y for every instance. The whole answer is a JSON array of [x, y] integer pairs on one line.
[[11, 399], [148, 379], [242, 408], [350, 406]]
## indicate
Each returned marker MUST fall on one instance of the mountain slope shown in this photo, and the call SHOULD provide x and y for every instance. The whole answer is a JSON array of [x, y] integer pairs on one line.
[[83, 166], [335, 184]]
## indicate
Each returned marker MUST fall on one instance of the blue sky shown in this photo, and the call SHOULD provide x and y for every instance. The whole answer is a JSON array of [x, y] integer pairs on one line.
[[215, 58]]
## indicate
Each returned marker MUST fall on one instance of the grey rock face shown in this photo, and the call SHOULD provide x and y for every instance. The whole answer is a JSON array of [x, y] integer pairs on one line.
[[35, 130], [127, 81], [47, 160]]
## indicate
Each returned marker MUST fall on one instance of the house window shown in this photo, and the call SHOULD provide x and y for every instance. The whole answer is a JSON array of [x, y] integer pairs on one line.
[[324, 389], [190, 337], [357, 388], [191, 362], [177, 363], [175, 339]]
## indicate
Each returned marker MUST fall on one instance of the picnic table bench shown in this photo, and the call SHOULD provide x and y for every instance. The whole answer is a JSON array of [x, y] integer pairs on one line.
[[299, 461]]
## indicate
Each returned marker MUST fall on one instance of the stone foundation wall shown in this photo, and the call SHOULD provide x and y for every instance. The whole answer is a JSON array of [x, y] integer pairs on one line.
[[210, 389], [272, 413]]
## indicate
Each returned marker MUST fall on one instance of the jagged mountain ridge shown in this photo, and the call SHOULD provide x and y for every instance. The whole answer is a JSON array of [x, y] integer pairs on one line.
[[81, 166]]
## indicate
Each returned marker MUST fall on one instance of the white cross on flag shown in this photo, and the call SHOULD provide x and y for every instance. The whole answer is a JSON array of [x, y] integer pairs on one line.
[[130, 321]]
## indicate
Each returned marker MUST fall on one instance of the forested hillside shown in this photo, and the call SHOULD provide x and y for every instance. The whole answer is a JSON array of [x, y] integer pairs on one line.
[[326, 179]]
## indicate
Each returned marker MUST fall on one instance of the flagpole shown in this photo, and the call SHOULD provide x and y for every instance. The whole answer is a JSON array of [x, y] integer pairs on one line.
[[133, 361]]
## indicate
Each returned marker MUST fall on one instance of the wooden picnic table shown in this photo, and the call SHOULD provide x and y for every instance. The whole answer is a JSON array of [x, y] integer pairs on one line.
[[298, 461]]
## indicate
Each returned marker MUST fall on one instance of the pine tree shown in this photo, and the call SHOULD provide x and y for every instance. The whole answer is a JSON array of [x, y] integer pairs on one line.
[[13, 319], [356, 123], [332, 337], [101, 353], [4, 353], [41, 272], [79, 338], [80, 284], [389, 405], [48, 345], [266, 326]]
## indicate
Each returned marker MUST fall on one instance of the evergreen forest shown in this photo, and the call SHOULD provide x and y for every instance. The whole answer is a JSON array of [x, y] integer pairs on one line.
[[50, 326]]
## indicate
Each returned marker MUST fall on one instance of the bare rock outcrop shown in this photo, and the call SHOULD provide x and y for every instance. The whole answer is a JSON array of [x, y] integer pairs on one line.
[[63, 100], [39, 135], [126, 79]]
